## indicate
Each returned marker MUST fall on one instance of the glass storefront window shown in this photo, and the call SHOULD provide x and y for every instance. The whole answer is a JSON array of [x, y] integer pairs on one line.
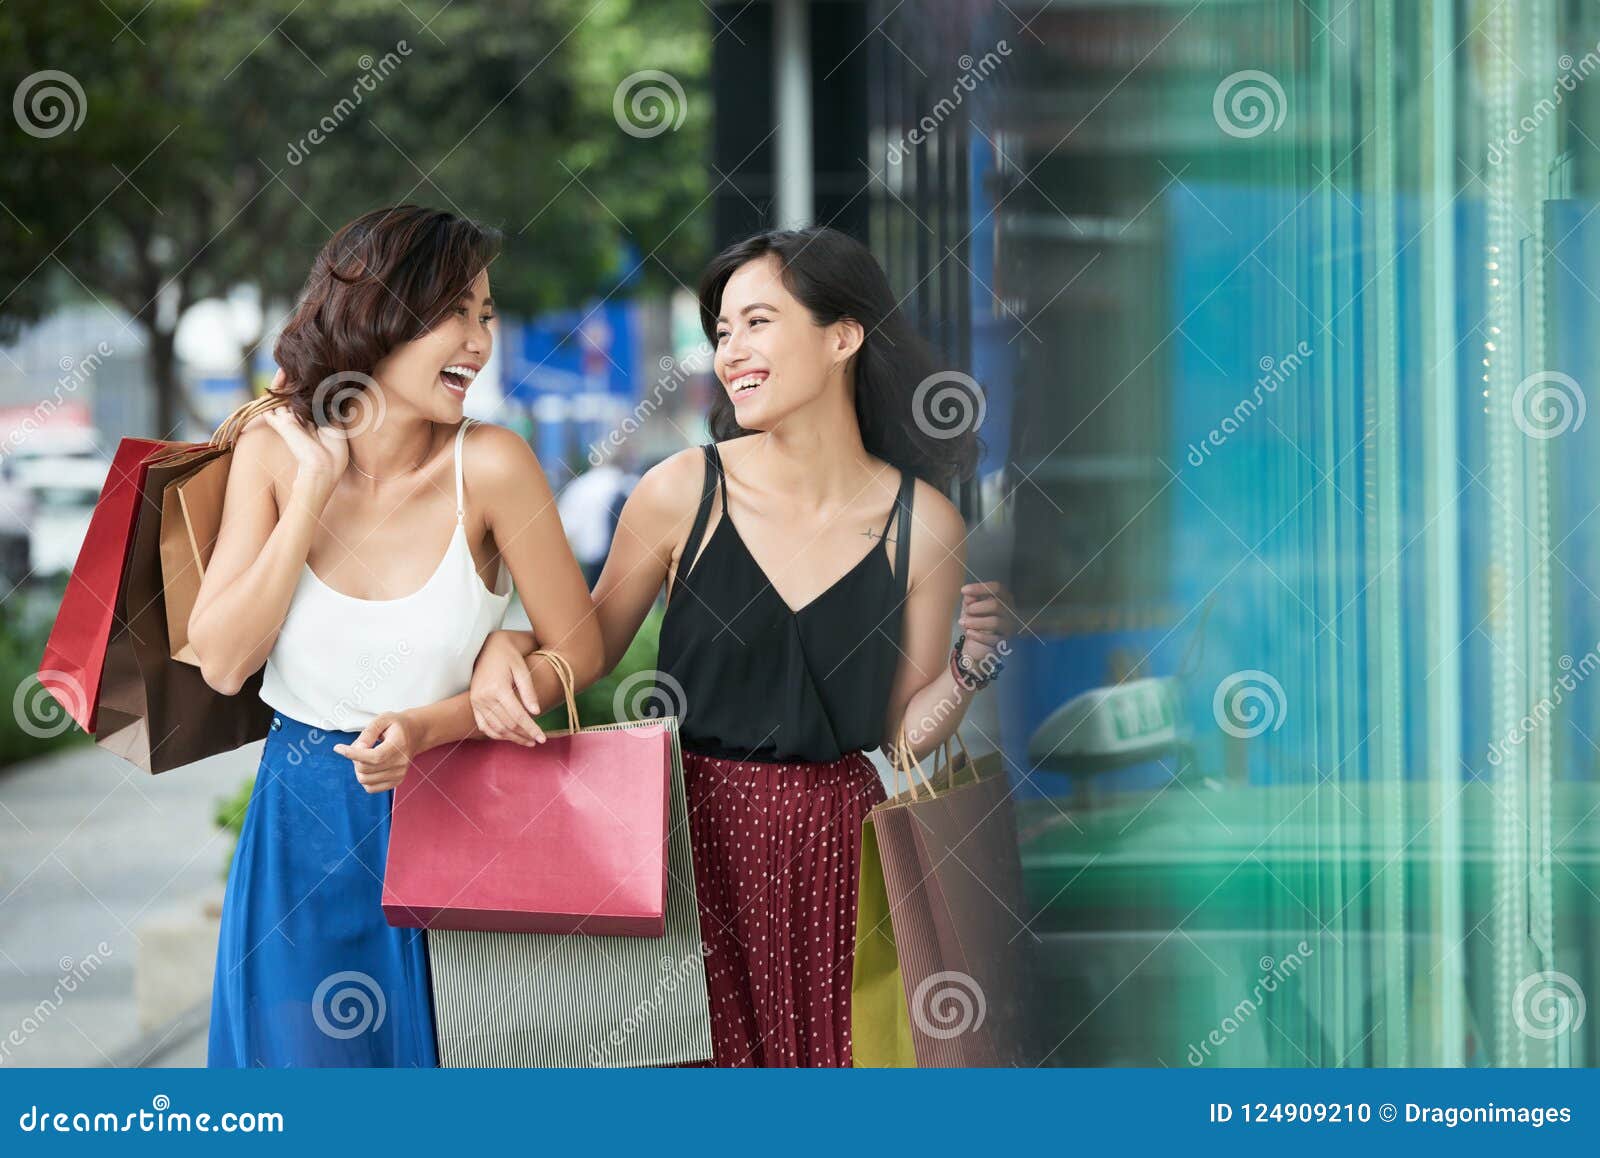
[[1286, 316]]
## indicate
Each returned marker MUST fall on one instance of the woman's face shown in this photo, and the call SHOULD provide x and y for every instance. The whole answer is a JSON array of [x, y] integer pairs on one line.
[[431, 374], [772, 357]]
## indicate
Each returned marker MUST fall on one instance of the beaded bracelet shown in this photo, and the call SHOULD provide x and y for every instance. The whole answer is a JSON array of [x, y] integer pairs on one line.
[[968, 676]]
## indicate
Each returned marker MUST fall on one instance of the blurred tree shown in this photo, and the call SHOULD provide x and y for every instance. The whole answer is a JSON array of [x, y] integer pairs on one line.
[[221, 143]]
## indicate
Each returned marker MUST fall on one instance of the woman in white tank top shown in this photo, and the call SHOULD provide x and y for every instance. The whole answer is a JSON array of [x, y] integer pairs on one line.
[[360, 521]]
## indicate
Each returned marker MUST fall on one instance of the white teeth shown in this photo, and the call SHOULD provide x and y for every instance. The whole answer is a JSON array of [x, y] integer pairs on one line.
[[746, 381], [466, 372]]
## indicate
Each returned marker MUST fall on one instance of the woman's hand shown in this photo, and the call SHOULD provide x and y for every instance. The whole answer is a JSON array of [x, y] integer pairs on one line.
[[382, 753], [986, 619], [504, 705], [320, 455]]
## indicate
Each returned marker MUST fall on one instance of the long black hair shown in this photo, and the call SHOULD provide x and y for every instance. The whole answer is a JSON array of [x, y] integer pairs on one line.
[[912, 414]]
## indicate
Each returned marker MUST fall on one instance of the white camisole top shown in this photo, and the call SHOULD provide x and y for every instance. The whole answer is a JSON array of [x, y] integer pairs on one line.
[[340, 661]]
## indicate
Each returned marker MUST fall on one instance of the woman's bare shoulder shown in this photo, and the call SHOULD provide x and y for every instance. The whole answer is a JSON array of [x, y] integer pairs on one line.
[[937, 529], [499, 459], [262, 448], [671, 489]]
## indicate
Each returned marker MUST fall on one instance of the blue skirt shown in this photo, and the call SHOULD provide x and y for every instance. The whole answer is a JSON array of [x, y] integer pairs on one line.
[[308, 971]]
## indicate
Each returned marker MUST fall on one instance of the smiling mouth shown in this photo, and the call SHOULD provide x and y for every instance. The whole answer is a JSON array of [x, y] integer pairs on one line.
[[744, 386], [457, 378]]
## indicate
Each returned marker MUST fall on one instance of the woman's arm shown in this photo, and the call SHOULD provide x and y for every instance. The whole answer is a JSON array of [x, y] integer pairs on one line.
[[654, 522], [925, 698], [255, 566]]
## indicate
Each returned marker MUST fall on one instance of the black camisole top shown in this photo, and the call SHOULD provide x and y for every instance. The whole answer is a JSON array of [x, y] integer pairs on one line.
[[761, 681]]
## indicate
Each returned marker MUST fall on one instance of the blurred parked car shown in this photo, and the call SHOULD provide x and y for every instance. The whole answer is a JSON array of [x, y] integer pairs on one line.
[[62, 491]]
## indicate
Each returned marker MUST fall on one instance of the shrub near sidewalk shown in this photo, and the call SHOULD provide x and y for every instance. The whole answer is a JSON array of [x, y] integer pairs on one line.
[[596, 705], [35, 723]]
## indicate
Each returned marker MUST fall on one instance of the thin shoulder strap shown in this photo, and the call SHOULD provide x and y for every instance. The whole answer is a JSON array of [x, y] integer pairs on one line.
[[722, 475], [461, 506], [708, 491], [902, 534]]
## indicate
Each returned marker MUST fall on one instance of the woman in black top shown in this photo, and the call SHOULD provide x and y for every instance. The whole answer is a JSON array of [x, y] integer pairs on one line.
[[812, 565]]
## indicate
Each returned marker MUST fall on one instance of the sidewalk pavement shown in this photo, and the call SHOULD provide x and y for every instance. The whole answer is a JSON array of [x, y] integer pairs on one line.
[[102, 864]]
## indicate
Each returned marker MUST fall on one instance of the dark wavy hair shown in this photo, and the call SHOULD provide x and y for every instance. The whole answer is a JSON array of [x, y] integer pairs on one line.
[[386, 278], [834, 276]]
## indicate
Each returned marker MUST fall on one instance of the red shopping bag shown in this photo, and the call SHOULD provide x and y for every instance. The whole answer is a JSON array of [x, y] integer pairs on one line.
[[75, 655], [566, 837]]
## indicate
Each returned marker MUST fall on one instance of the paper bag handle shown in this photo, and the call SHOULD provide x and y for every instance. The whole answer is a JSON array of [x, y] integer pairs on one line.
[[564, 674], [902, 759], [947, 757], [233, 425], [944, 757]]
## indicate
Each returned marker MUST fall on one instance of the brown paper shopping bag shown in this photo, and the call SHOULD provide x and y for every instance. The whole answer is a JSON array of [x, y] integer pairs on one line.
[[156, 712], [191, 515], [938, 977]]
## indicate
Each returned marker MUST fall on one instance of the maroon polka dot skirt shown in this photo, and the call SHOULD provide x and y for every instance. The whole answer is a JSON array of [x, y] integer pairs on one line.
[[777, 851]]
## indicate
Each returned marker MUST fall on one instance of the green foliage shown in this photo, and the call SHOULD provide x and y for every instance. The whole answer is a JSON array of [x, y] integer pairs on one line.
[[25, 620], [597, 703], [229, 817], [195, 167]]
